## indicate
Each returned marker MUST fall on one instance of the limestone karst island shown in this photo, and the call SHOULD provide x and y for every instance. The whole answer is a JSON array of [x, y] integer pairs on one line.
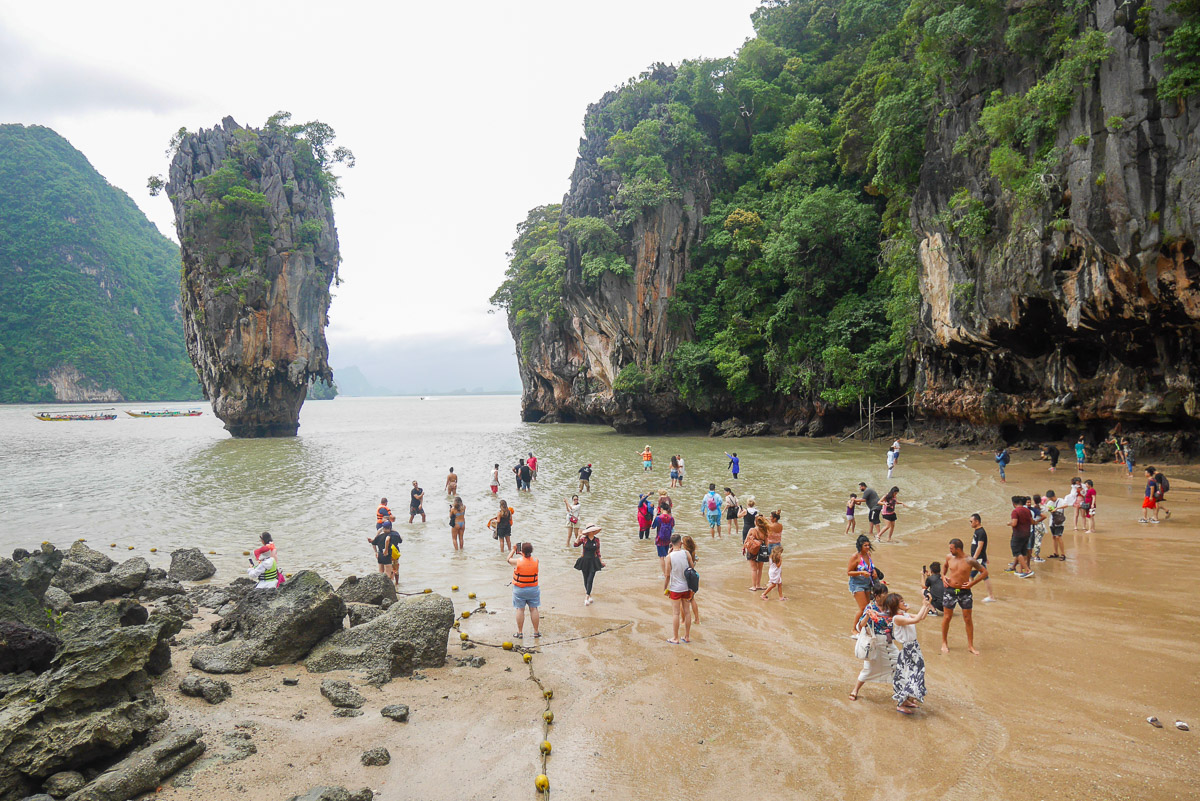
[[693, 398]]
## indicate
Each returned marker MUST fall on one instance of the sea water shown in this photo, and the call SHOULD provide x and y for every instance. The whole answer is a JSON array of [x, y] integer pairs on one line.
[[130, 485]]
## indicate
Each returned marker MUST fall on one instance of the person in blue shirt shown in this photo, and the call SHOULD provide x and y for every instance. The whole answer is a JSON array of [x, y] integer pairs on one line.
[[734, 464], [710, 506], [1002, 459], [1080, 454]]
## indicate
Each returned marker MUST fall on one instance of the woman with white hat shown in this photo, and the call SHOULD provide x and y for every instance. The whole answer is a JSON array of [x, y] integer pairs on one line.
[[590, 563]]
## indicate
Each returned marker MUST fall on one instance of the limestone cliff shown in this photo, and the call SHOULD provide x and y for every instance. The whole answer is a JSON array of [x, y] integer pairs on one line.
[[1086, 309], [255, 222]]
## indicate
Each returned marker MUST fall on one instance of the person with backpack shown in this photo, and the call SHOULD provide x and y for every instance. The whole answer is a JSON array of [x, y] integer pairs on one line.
[[710, 507], [663, 525], [756, 551], [645, 516], [1002, 459], [1160, 494], [384, 542], [1058, 521], [693, 578]]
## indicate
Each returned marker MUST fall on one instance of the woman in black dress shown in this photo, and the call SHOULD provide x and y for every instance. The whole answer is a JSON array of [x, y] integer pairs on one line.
[[502, 523], [590, 563]]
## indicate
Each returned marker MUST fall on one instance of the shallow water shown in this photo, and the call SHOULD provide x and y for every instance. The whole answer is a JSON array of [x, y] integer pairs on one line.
[[172, 483]]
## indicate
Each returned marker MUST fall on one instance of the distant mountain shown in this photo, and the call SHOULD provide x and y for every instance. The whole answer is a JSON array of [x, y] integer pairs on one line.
[[428, 366], [89, 289], [352, 383]]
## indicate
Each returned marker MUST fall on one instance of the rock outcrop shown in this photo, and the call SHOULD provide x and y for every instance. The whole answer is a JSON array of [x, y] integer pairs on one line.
[[255, 221], [188, 564], [410, 634], [1085, 311], [272, 626]]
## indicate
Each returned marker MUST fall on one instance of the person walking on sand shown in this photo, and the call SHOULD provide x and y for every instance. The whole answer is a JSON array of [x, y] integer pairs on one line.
[[870, 499], [647, 460], [957, 579], [850, 504], [880, 664], [1160, 495], [383, 513], [1129, 460], [416, 502], [495, 485], [572, 505], [689, 545], [731, 511], [1058, 519], [710, 507], [526, 592], [664, 526], [775, 575], [908, 680], [590, 563], [1080, 454], [735, 464], [1089, 507], [748, 513], [458, 522], [501, 524], [979, 552], [756, 551], [1074, 498], [585, 478], [451, 483], [887, 510], [1150, 498], [645, 516], [861, 571], [675, 585]]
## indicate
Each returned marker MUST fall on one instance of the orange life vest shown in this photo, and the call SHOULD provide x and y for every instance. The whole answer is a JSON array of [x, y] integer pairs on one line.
[[525, 574], [381, 513]]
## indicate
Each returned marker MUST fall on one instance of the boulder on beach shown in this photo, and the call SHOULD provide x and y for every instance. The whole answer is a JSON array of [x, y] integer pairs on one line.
[[93, 703], [160, 588], [362, 613], [212, 690], [341, 694], [19, 605], [62, 784], [84, 584], [409, 635], [144, 771], [373, 588], [81, 554], [57, 600], [280, 625], [34, 571], [25, 648], [234, 656], [334, 794], [374, 757], [188, 564]]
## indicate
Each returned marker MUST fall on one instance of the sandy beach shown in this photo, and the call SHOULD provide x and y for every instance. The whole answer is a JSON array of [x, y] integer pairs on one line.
[[1072, 663]]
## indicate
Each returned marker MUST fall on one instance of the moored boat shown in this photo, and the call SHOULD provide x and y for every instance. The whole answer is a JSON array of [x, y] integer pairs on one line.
[[63, 417], [165, 413]]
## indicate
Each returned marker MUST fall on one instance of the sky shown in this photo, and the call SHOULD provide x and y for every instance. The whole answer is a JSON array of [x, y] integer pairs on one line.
[[462, 116]]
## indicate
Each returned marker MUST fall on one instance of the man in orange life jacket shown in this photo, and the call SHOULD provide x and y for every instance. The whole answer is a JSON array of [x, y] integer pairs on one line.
[[525, 587], [383, 513]]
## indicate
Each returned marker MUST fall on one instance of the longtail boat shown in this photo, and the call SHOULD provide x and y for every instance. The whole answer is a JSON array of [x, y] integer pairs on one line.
[[62, 417], [165, 413]]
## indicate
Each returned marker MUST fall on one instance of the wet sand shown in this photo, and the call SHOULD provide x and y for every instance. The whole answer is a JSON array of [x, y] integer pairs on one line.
[[1072, 663]]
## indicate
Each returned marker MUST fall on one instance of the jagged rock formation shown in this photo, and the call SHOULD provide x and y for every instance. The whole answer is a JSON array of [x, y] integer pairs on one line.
[[255, 222], [1091, 319]]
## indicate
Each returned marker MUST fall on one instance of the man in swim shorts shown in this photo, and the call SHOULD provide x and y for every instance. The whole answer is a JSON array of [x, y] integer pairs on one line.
[[956, 578], [1021, 523], [870, 499], [647, 460], [416, 504]]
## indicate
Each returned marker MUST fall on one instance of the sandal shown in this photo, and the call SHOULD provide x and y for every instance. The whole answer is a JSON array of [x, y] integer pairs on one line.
[[1153, 721], [518, 636], [853, 696], [903, 710]]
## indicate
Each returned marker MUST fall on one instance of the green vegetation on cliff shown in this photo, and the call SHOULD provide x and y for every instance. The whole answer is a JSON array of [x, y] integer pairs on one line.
[[811, 140], [86, 281]]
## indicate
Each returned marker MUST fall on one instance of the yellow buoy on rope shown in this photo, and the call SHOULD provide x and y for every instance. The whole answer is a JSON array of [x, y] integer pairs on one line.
[[462, 635], [547, 694], [483, 604], [454, 587], [545, 747], [466, 613], [548, 716], [542, 782], [427, 590], [507, 646], [527, 657], [470, 595]]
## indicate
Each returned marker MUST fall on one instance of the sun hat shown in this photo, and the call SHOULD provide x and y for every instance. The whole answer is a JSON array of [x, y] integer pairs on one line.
[[592, 529]]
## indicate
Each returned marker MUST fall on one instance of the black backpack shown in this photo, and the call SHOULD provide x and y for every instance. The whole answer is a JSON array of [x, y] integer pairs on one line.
[[693, 579]]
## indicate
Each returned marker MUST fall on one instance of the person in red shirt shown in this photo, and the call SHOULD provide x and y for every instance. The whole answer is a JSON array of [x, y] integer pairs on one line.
[[1021, 523], [533, 463]]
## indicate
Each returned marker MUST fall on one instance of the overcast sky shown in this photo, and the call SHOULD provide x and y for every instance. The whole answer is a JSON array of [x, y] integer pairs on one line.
[[462, 117]]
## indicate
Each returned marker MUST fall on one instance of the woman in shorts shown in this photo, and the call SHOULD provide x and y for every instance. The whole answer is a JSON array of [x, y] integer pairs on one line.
[[887, 506], [731, 510], [572, 519], [674, 474], [861, 571], [756, 551]]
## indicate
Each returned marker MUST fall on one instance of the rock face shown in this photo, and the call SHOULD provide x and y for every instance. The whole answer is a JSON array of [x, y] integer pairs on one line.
[[373, 588], [259, 246], [1084, 321], [84, 584], [213, 691], [25, 648], [93, 703], [409, 635], [188, 564], [273, 626], [144, 770]]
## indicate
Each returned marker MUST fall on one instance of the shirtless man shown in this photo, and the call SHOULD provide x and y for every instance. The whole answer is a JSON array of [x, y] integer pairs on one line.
[[451, 483], [956, 576]]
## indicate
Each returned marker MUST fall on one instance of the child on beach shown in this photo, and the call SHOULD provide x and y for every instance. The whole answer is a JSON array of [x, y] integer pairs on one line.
[[850, 513], [935, 588], [775, 574], [1080, 454], [1089, 507], [645, 516]]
